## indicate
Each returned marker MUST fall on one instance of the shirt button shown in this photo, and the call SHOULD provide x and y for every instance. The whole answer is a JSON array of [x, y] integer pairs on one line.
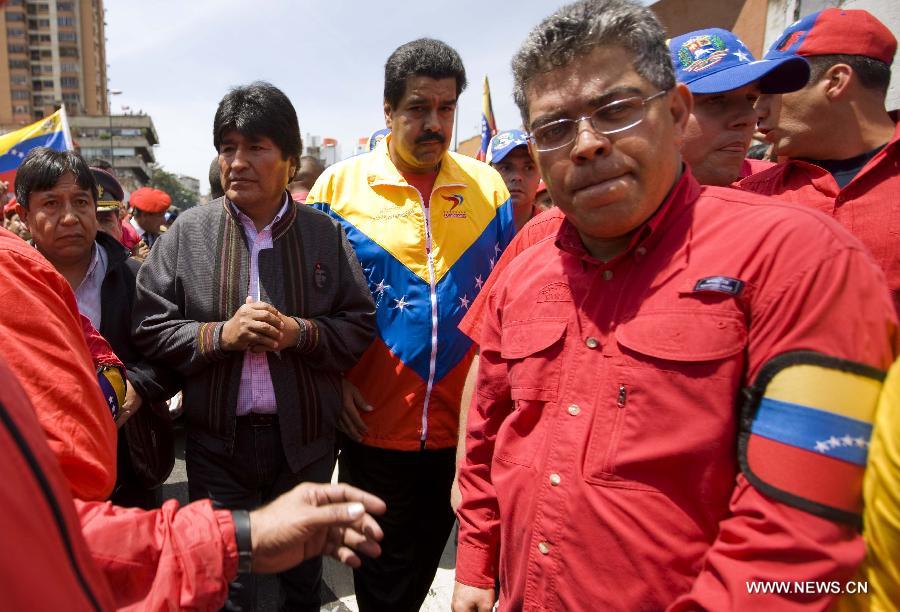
[[574, 410], [592, 343], [555, 479], [544, 548], [641, 251], [607, 275]]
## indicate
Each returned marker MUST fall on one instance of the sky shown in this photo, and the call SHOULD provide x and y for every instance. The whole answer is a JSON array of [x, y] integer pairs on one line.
[[174, 60]]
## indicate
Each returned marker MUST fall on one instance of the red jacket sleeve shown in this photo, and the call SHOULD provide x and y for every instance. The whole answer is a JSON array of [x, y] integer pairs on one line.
[[42, 340], [839, 306], [478, 551], [166, 559]]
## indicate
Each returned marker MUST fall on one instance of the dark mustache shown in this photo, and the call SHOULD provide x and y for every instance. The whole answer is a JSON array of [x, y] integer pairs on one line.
[[430, 137]]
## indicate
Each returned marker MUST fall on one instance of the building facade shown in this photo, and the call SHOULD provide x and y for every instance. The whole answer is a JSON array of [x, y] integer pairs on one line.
[[54, 54], [125, 141]]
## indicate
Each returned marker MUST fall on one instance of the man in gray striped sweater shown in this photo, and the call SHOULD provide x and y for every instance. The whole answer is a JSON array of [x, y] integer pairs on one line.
[[260, 303]]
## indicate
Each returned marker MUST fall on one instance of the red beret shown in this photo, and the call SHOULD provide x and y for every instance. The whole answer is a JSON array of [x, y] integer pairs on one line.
[[150, 200], [10, 207]]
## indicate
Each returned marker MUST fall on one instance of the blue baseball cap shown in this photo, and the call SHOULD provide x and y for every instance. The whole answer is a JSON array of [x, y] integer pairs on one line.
[[503, 143], [377, 137], [714, 60]]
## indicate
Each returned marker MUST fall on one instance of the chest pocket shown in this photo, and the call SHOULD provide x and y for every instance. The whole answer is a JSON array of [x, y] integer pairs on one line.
[[665, 415], [533, 350]]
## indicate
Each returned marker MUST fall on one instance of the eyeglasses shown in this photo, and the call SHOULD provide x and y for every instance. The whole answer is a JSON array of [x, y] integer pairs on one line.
[[609, 119]]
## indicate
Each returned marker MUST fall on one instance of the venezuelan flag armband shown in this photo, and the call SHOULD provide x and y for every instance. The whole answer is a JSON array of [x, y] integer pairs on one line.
[[112, 385], [805, 429]]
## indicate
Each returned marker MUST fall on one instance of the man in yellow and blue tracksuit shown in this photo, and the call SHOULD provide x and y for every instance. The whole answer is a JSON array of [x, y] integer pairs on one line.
[[428, 226]]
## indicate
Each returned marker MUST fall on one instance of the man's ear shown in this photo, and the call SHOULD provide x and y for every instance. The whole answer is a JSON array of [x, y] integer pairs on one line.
[[388, 112], [681, 103], [23, 214], [836, 81]]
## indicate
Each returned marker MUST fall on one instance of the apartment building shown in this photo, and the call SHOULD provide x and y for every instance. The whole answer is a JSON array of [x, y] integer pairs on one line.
[[54, 53]]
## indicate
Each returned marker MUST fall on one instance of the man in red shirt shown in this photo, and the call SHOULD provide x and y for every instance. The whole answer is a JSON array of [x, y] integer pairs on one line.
[[725, 81], [658, 419], [841, 146]]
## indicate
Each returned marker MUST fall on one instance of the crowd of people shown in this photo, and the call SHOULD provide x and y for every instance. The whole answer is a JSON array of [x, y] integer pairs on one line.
[[639, 368]]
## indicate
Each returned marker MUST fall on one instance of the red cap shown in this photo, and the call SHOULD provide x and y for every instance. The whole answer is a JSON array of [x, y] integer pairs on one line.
[[836, 31], [150, 200]]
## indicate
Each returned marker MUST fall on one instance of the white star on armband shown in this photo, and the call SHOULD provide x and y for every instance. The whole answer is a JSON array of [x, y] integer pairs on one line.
[[478, 282], [861, 442], [401, 304], [497, 249], [822, 447], [834, 442], [493, 263], [742, 56], [847, 440], [464, 301]]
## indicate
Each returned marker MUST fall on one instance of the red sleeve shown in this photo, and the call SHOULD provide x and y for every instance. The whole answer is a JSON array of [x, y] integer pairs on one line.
[[42, 340], [835, 302], [538, 228], [167, 559], [478, 551]]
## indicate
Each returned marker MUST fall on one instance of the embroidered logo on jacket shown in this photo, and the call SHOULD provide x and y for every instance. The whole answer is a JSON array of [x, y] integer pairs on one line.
[[457, 202]]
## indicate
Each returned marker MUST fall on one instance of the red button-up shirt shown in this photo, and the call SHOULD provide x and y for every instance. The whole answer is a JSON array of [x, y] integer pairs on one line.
[[601, 458], [868, 206]]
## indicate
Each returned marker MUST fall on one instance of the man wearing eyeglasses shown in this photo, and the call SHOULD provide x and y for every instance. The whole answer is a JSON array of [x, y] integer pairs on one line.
[[674, 399]]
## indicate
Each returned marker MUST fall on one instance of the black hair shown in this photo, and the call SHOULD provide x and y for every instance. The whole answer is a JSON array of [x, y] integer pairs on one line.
[[423, 57], [873, 74], [42, 168], [215, 179], [259, 109], [758, 151]]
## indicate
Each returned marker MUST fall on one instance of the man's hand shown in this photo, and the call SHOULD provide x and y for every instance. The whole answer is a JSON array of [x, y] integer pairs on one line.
[[254, 324], [315, 519], [471, 599], [290, 334], [131, 405], [350, 422], [455, 495], [140, 251]]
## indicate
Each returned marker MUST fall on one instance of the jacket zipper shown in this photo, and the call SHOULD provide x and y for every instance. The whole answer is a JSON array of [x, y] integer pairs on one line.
[[52, 503], [432, 285]]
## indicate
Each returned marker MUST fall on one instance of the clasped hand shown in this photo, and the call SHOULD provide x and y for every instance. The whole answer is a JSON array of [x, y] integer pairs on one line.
[[259, 326]]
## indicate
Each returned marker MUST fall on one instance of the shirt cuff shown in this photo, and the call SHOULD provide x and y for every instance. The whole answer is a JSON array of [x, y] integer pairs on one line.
[[475, 567], [226, 528], [209, 341]]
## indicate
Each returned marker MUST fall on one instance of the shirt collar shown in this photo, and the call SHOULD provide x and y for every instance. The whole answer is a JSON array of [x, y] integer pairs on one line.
[[97, 265], [244, 219], [683, 194]]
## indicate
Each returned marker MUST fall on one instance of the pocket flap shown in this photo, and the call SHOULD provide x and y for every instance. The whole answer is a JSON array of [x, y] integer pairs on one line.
[[520, 339], [684, 336]]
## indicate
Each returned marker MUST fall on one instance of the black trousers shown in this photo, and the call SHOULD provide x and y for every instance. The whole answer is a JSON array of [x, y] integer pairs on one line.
[[254, 474], [129, 491], [416, 487]]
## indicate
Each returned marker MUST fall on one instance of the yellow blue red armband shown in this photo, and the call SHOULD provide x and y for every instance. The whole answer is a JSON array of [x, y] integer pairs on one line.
[[805, 429], [112, 385]]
